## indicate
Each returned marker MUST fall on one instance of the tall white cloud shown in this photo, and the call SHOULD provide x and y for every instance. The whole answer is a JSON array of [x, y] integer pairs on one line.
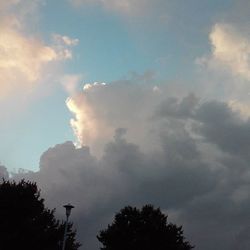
[[229, 62], [99, 109]]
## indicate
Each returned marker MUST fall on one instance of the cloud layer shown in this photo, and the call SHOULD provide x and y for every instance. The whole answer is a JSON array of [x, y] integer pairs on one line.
[[189, 157]]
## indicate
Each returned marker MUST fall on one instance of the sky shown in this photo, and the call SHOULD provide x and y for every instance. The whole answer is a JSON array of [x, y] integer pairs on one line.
[[107, 103]]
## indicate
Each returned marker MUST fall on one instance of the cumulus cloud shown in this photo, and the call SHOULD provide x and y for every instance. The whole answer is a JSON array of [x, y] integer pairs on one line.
[[24, 57], [125, 175], [228, 65], [187, 156], [139, 144], [101, 108], [230, 49]]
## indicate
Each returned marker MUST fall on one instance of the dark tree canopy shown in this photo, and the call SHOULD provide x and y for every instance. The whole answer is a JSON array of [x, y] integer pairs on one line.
[[145, 229], [25, 223]]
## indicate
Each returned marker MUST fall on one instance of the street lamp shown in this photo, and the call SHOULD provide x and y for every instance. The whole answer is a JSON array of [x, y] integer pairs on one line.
[[68, 208]]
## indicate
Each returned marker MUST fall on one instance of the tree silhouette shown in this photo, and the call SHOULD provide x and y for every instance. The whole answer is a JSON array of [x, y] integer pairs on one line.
[[145, 229], [25, 223]]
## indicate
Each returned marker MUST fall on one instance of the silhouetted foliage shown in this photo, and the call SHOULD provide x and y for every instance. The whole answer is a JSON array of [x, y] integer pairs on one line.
[[25, 223], [145, 229]]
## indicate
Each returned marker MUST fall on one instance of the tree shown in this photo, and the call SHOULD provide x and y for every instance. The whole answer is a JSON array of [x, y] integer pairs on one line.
[[25, 222], [145, 229]]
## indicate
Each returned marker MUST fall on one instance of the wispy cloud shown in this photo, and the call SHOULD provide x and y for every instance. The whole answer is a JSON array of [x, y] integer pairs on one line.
[[71, 83], [4, 4], [131, 9], [65, 40], [123, 7]]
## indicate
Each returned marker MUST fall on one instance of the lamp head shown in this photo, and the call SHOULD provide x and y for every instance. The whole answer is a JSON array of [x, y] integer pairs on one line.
[[68, 208]]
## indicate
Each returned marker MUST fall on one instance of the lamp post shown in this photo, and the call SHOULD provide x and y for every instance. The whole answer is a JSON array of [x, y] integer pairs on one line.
[[68, 208]]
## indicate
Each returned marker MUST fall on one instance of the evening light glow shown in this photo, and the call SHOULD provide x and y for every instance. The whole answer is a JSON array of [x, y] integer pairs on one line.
[[109, 103]]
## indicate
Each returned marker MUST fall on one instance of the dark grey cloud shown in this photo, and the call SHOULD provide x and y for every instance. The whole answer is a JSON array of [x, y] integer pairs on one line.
[[196, 174], [224, 128], [178, 108]]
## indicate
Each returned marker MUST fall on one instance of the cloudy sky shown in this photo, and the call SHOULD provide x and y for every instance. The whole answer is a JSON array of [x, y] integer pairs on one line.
[[108, 103]]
